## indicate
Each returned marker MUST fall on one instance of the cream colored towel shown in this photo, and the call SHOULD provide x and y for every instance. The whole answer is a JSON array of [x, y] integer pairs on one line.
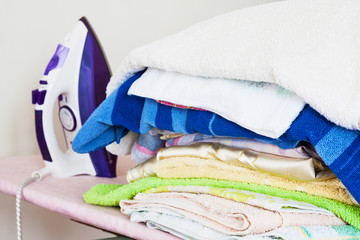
[[270, 112], [293, 168], [252, 198], [310, 47], [226, 216], [190, 167]]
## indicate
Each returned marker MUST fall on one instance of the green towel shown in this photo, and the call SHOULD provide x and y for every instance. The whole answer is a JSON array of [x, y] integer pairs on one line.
[[111, 195]]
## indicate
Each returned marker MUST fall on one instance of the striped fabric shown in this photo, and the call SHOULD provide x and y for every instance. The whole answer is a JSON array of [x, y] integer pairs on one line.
[[337, 146]]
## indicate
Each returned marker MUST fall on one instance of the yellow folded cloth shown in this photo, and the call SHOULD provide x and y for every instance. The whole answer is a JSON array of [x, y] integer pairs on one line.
[[298, 169], [293, 168], [194, 167]]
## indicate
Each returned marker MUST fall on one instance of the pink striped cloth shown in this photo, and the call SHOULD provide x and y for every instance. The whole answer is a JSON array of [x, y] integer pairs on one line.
[[150, 143]]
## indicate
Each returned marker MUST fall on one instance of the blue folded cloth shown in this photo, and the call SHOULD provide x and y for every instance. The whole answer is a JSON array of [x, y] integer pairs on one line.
[[120, 112]]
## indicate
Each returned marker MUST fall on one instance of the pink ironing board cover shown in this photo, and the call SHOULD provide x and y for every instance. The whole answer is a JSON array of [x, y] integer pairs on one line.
[[64, 195]]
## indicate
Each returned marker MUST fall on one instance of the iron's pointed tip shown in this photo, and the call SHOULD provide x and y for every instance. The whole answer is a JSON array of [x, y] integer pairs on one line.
[[84, 20]]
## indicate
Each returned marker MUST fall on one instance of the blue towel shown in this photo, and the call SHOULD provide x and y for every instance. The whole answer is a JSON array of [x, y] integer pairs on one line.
[[337, 146]]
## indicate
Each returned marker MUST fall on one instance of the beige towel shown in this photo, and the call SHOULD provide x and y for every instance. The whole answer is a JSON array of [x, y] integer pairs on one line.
[[293, 168], [224, 215], [189, 167], [298, 169]]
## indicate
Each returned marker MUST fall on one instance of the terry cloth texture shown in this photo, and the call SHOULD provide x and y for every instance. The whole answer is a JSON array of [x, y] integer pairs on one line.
[[264, 108], [338, 147], [191, 230], [316, 232], [124, 147], [293, 168], [112, 194], [310, 47], [193, 167], [224, 215], [177, 225], [252, 198], [146, 146]]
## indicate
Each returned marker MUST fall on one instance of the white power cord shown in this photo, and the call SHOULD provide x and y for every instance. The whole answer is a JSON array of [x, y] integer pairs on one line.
[[36, 176]]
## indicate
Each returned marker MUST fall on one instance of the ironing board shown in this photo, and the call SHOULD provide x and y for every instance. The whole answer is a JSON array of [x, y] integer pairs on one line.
[[65, 196]]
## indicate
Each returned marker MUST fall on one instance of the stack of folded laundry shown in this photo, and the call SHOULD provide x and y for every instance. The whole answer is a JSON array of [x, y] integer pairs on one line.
[[243, 126]]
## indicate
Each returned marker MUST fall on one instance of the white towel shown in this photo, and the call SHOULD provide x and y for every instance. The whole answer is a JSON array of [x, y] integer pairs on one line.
[[264, 108], [189, 229], [178, 225], [310, 47]]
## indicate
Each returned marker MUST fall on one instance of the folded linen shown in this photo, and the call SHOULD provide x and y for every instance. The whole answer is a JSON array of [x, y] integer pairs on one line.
[[149, 143], [292, 168], [193, 167], [256, 199], [315, 232], [126, 144], [192, 230], [308, 169], [146, 146], [121, 112], [276, 43], [112, 194], [301, 151], [177, 225], [264, 108], [266, 201], [224, 215]]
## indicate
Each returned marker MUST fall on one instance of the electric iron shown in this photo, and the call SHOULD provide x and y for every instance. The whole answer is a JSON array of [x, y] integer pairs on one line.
[[76, 77]]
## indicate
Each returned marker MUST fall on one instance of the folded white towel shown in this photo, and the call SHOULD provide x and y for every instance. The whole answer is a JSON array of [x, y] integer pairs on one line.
[[310, 47], [264, 108]]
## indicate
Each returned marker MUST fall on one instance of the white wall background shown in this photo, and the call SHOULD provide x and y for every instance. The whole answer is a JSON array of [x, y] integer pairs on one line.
[[29, 34]]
